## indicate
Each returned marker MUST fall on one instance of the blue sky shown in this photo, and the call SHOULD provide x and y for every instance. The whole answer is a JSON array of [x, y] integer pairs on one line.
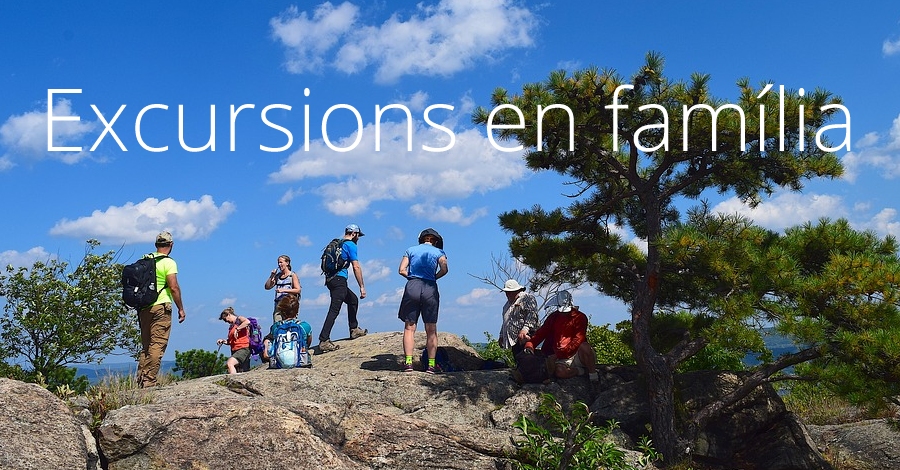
[[233, 211]]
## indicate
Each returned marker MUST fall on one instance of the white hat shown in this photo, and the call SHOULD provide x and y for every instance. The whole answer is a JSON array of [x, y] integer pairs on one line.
[[562, 301], [512, 286]]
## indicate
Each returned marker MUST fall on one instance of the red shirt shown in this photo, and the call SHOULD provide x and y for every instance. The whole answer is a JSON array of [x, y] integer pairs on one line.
[[243, 336], [562, 334]]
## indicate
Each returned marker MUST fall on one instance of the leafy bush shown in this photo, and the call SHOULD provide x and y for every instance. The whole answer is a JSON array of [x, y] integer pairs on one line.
[[197, 363], [609, 345], [582, 445]]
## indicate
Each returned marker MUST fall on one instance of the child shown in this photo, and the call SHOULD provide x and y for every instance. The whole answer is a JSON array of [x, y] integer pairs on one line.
[[238, 339]]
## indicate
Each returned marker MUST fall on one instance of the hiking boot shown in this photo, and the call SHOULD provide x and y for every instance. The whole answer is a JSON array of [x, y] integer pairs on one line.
[[357, 332], [408, 368], [327, 346], [435, 369]]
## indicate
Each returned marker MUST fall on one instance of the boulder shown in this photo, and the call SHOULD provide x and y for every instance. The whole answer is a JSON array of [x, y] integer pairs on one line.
[[38, 431], [870, 444]]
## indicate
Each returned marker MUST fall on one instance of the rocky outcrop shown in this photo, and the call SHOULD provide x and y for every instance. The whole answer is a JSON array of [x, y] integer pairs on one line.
[[355, 409], [871, 444], [38, 431]]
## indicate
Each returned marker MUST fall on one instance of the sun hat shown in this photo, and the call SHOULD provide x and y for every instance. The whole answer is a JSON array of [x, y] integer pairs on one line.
[[562, 302], [512, 286]]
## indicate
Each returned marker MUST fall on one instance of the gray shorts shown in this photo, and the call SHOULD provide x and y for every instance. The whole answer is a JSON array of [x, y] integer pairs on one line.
[[243, 357], [420, 297]]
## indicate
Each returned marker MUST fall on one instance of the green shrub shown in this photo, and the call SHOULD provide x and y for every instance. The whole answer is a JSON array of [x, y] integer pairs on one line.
[[573, 442], [197, 363], [609, 345]]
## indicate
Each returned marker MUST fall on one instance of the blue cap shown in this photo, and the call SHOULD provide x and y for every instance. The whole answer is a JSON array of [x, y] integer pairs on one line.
[[353, 228]]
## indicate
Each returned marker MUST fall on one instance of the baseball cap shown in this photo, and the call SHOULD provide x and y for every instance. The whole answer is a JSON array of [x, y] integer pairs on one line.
[[164, 238], [353, 228]]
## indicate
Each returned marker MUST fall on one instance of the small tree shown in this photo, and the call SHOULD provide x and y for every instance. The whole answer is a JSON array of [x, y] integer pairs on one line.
[[627, 172], [196, 363], [56, 316]]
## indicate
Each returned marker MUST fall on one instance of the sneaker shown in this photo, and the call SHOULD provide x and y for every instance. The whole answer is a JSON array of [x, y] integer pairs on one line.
[[327, 346], [408, 368], [357, 332], [435, 369]]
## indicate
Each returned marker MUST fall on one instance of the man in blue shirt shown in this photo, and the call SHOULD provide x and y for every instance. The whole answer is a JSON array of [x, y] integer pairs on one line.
[[422, 265], [341, 293]]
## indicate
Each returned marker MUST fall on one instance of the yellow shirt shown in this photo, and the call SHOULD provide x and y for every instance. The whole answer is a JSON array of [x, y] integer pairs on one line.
[[164, 267]]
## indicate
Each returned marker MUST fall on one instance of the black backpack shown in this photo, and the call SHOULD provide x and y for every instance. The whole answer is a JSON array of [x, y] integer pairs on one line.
[[332, 261], [139, 282]]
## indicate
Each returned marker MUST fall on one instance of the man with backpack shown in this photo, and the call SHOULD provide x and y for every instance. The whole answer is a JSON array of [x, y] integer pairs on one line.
[[155, 320], [336, 282]]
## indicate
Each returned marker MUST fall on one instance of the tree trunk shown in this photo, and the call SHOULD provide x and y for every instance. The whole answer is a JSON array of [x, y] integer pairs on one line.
[[659, 372]]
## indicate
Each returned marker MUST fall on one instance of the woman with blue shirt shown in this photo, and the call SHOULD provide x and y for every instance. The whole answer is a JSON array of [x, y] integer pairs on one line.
[[422, 265]]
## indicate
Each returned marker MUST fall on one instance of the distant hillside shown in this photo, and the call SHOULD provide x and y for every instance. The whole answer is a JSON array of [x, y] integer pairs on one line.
[[96, 372]]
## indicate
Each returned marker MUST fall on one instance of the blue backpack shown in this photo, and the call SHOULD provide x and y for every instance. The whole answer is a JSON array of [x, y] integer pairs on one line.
[[289, 348]]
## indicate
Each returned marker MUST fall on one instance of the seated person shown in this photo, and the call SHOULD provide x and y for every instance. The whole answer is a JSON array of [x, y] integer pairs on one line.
[[287, 308], [238, 339], [564, 337]]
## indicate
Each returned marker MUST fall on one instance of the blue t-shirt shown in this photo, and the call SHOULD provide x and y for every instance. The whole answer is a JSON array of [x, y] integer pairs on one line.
[[423, 261], [348, 252]]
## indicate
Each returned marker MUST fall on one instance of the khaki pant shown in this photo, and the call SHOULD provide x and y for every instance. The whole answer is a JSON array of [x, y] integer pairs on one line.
[[155, 323]]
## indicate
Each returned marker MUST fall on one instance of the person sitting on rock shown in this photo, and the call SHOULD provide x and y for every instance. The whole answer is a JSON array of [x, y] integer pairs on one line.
[[564, 337], [287, 309]]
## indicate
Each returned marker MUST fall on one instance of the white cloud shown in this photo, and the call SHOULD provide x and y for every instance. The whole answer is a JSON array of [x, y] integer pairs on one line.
[[24, 259], [289, 195], [476, 296], [308, 40], [139, 223], [390, 298], [349, 182], [787, 210], [228, 301], [454, 215], [25, 136], [304, 240], [884, 222], [881, 152], [890, 47], [440, 39]]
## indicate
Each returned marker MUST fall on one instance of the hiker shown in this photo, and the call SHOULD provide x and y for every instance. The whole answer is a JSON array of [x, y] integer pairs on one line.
[[340, 292], [564, 337], [520, 317], [284, 280], [238, 339], [288, 307], [155, 321], [422, 265]]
